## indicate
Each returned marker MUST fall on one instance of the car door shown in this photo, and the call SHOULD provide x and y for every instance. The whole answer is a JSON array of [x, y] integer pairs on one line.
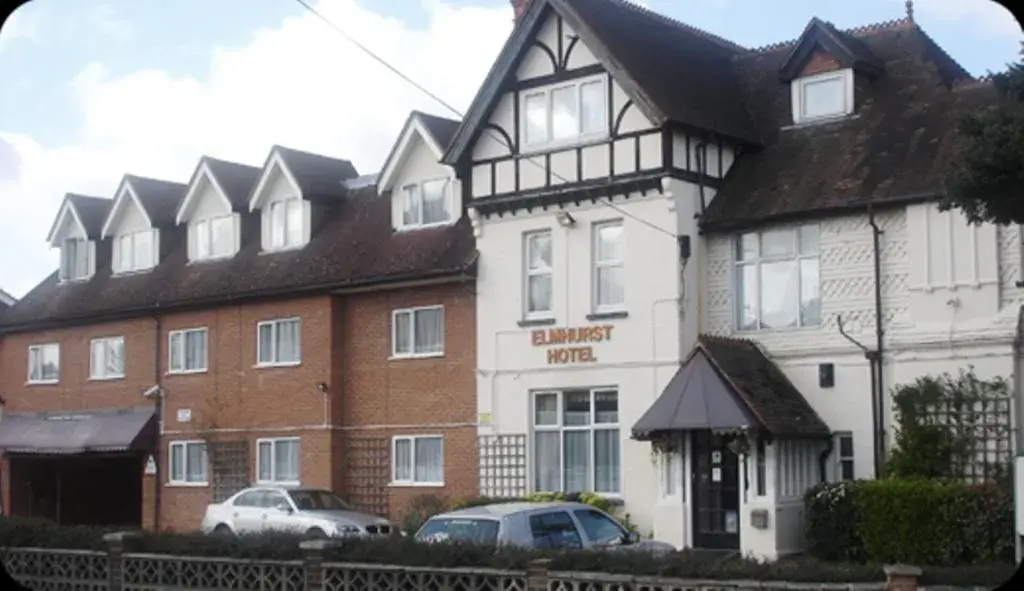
[[247, 512], [276, 519], [599, 529], [554, 530]]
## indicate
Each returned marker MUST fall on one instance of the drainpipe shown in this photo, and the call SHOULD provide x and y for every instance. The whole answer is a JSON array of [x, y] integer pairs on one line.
[[158, 477], [871, 356], [823, 458], [876, 233]]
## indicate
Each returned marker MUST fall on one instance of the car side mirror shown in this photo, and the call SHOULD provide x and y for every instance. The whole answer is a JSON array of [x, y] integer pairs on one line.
[[284, 508], [631, 538]]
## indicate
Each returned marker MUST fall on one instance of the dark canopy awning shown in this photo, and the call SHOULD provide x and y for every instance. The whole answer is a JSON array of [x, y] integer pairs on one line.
[[74, 432], [730, 384]]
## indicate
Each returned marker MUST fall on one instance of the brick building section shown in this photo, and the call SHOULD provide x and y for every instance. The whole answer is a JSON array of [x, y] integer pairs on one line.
[[819, 63], [345, 346]]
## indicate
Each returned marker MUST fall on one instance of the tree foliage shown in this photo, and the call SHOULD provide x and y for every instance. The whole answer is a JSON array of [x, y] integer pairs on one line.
[[986, 178]]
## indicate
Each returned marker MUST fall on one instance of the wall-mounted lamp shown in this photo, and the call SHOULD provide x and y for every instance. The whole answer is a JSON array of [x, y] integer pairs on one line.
[[321, 387], [565, 219]]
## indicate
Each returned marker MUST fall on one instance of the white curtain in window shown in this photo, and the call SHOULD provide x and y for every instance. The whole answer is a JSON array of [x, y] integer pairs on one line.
[[429, 460], [143, 249], [195, 349], [780, 288], [114, 357], [293, 232], [403, 333], [177, 462], [97, 358], [201, 239], [593, 115], [196, 462], [265, 461], [428, 331], [222, 235], [288, 341], [606, 461], [266, 343], [535, 113], [538, 262], [277, 223], [403, 460], [565, 117], [547, 464], [286, 461], [577, 461], [435, 202]]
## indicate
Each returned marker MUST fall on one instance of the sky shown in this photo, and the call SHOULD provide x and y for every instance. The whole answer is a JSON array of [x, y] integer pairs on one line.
[[90, 91]]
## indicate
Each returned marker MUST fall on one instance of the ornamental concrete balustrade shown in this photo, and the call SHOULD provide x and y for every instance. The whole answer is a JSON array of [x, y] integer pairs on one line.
[[45, 569]]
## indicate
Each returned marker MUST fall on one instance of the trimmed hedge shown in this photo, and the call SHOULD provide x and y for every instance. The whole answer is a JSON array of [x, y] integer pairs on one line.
[[915, 521], [407, 552]]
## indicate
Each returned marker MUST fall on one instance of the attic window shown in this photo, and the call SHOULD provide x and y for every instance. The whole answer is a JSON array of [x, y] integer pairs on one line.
[[74, 260], [822, 96]]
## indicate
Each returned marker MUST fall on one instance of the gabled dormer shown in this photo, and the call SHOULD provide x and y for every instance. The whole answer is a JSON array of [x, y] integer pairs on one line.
[[142, 208], [293, 192], [76, 232], [423, 191], [821, 70], [212, 208]]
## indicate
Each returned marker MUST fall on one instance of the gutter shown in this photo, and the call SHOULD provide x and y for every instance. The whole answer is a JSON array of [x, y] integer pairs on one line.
[[876, 232], [158, 489]]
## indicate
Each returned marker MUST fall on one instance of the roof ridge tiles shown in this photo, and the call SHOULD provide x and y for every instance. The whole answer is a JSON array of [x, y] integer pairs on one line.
[[722, 41], [857, 30]]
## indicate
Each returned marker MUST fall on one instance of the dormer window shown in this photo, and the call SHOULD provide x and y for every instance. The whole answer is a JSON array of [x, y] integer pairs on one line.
[[213, 238], [75, 259], [822, 96], [134, 251], [565, 113], [426, 204], [286, 223]]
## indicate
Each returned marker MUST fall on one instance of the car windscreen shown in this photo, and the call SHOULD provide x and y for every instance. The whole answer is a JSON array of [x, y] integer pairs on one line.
[[454, 529], [318, 500]]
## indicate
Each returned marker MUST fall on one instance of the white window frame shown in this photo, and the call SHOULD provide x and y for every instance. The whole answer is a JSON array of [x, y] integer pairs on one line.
[[201, 232], [182, 336], [133, 267], [415, 191], [83, 258], [99, 373], [40, 348], [670, 469], [276, 322], [606, 264], [844, 77], [528, 273], [546, 92], [395, 354], [183, 480], [561, 428], [840, 458], [289, 242], [273, 441], [412, 439], [797, 257]]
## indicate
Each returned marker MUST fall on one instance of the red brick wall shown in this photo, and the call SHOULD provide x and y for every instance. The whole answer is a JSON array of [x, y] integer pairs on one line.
[[819, 63]]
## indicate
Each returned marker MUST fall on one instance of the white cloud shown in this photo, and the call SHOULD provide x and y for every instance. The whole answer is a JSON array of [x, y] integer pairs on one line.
[[20, 25], [298, 84], [104, 20]]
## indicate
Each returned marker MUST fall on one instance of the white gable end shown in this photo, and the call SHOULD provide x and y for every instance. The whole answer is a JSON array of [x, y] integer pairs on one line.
[[422, 174], [67, 226], [204, 199]]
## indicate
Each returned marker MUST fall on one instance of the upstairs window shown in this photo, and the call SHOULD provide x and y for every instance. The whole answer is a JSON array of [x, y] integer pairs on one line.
[[44, 363], [565, 114], [418, 332], [279, 342], [285, 225], [107, 358], [187, 350], [609, 283], [74, 259], [822, 96], [537, 280], [134, 251], [426, 204], [213, 238], [777, 279]]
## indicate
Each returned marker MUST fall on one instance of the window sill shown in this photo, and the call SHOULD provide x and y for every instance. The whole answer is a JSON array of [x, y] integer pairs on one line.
[[105, 378], [70, 280], [187, 372], [130, 272], [770, 331], [802, 123], [414, 227], [42, 382], [273, 365], [401, 484], [609, 315], [416, 356], [528, 322], [286, 483], [282, 249], [176, 484], [582, 141], [212, 259]]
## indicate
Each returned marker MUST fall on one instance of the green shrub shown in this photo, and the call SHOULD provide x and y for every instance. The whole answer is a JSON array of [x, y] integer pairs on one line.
[[832, 522], [422, 508]]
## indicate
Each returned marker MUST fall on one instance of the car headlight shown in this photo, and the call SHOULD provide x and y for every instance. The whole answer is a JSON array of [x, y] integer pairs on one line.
[[348, 530]]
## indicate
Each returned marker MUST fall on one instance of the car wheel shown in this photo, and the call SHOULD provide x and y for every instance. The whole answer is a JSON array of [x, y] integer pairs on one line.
[[315, 533], [223, 531]]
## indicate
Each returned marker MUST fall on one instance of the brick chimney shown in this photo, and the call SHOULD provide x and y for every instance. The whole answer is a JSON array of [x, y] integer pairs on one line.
[[519, 7]]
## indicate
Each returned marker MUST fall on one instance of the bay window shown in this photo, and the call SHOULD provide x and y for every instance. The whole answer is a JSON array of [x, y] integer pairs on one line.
[[777, 279], [418, 460], [565, 113], [427, 203], [537, 280], [576, 441]]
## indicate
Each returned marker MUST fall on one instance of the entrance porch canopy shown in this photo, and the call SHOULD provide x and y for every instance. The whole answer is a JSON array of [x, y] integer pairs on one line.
[[729, 384], [75, 432]]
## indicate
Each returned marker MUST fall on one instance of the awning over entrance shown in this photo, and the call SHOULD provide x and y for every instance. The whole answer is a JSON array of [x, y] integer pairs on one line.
[[98, 430], [729, 384]]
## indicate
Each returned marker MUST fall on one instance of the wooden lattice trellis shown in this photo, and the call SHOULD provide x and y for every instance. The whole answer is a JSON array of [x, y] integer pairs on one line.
[[367, 472], [502, 465]]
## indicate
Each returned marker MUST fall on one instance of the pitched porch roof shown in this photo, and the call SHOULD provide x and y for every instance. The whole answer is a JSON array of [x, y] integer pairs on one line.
[[729, 383]]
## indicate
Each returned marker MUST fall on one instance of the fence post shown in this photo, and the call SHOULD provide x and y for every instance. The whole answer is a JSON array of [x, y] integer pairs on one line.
[[115, 551], [313, 562], [901, 577], [537, 574]]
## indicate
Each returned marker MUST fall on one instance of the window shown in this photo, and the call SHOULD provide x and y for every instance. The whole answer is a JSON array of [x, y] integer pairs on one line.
[[565, 113], [134, 251], [672, 474], [554, 530], [599, 528], [188, 462], [44, 363], [213, 238], [107, 358], [277, 460], [427, 203], [418, 460], [278, 342], [777, 281], [609, 283], [538, 285], [418, 332], [187, 350], [74, 260], [576, 441], [286, 223], [822, 96], [845, 467]]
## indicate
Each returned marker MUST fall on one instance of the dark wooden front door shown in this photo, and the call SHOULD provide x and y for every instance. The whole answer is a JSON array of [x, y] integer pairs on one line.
[[716, 494]]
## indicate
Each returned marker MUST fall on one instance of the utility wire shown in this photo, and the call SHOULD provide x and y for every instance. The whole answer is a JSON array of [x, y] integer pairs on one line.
[[607, 202]]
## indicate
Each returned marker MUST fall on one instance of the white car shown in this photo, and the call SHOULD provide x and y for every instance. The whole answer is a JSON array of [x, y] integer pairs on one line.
[[312, 512]]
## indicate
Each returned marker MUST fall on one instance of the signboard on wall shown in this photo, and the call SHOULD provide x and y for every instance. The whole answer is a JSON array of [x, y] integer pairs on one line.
[[571, 344], [150, 466]]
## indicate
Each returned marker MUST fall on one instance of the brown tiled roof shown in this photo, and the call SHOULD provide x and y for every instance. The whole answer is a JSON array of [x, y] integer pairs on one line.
[[765, 389], [354, 245], [91, 210]]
